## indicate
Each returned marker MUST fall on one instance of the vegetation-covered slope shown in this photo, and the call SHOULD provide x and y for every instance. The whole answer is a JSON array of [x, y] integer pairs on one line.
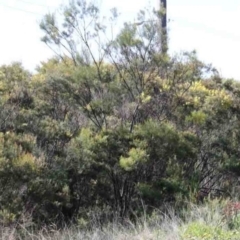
[[104, 131]]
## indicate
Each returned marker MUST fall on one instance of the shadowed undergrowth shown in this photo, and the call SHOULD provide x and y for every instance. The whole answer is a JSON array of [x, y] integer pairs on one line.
[[212, 220]]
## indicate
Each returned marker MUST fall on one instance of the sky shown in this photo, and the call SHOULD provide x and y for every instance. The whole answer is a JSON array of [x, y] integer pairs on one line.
[[211, 27]]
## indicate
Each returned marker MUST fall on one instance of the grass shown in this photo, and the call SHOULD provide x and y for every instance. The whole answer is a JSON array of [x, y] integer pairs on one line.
[[212, 220]]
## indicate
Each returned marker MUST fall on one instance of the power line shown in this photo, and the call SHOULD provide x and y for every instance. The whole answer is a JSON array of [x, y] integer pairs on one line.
[[34, 4], [207, 29], [21, 10]]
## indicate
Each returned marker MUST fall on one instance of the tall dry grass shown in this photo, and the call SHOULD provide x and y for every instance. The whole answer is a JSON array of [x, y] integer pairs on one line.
[[194, 222]]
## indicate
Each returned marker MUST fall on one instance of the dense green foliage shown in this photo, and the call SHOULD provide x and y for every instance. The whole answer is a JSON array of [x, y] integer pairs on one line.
[[105, 131]]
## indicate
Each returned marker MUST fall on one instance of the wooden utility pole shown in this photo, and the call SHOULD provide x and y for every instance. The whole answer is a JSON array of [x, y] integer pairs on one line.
[[163, 4], [163, 9]]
